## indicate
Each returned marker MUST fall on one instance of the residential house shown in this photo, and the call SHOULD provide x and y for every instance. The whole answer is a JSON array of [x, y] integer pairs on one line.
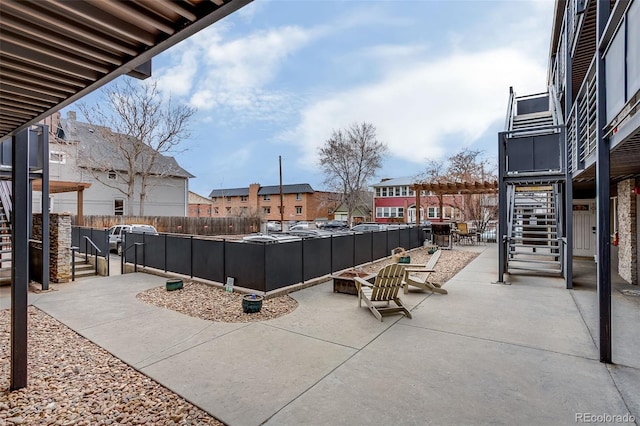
[[199, 206], [575, 149], [361, 214], [300, 201], [394, 201], [78, 153]]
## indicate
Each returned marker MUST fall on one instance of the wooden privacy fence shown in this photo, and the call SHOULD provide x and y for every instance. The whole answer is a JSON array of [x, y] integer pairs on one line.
[[179, 224]]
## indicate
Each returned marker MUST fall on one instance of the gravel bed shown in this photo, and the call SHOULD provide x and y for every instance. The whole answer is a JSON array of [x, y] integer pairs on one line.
[[214, 304], [449, 264], [72, 381]]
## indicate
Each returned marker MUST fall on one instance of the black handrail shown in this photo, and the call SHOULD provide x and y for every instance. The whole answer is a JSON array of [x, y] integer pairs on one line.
[[96, 251], [135, 257], [74, 249]]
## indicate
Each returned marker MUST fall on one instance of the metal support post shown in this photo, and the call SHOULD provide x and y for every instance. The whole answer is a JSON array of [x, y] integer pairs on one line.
[[20, 258], [603, 196]]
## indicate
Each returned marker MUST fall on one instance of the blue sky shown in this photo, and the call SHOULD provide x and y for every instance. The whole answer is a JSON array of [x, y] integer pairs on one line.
[[276, 77]]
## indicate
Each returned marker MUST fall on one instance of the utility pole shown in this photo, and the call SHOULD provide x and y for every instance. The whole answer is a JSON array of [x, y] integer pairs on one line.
[[281, 196]]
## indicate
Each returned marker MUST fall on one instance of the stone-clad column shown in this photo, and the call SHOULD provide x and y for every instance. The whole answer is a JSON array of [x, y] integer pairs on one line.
[[60, 244], [627, 232]]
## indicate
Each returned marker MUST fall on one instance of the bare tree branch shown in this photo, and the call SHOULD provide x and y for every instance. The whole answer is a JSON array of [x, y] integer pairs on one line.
[[140, 128], [349, 159]]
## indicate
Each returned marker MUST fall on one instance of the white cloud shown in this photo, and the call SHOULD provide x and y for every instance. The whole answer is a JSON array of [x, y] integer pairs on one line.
[[213, 71], [416, 106]]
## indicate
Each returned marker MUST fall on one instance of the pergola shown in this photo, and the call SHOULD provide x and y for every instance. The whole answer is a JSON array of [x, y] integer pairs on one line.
[[452, 188], [61, 186]]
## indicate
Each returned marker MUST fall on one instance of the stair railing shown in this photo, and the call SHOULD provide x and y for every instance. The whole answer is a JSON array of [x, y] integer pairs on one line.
[[95, 250], [5, 198]]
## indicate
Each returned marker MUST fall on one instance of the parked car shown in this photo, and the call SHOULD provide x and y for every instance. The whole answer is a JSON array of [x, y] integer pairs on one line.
[[309, 233], [300, 225], [115, 234], [367, 227], [270, 238], [335, 224], [274, 226]]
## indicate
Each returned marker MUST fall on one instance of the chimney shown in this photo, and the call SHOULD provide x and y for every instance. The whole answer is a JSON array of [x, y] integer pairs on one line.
[[71, 115]]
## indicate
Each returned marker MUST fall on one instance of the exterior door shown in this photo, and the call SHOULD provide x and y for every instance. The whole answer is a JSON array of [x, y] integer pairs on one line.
[[584, 228], [411, 213]]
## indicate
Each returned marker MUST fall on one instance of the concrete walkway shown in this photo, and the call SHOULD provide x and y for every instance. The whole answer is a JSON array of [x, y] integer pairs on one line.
[[484, 353]]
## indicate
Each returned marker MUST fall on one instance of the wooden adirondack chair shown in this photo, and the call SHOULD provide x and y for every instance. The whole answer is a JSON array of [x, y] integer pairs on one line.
[[419, 276], [385, 288], [465, 235]]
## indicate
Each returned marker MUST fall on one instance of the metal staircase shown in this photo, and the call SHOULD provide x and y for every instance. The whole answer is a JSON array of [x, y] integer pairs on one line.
[[533, 187], [5, 228], [534, 243]]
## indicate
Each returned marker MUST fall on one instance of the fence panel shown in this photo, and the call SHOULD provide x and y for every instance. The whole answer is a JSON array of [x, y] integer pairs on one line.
[[178, 253], [404, 238], [316, 257], [99, 237], [245, 262], [363, 249], [208, 259], [283, 263], [129, 249], [379, 245], [75, 236], [153, 254], [393, 240], [342, 252]]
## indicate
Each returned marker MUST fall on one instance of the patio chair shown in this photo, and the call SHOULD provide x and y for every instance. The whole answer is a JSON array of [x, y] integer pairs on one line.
[[384, 289], [464, 234], [422, 280]]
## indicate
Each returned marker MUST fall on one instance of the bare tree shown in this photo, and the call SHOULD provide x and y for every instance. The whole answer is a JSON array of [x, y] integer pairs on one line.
[[349, 158], [466, 166], [140, 127]]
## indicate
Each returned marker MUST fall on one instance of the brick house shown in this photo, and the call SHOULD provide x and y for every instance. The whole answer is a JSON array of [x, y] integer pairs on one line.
[[199, 206], [300, 202], [393, 201]]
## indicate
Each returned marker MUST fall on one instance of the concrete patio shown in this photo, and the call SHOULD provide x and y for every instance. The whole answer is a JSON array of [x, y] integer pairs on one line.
[[485, 353]]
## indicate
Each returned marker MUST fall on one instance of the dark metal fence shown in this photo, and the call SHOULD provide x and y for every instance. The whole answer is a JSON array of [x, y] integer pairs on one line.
[[90, 242], [264, 266], [99, 237]]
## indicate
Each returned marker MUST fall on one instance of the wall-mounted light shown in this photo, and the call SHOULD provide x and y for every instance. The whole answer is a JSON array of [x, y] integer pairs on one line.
[[636, 190]]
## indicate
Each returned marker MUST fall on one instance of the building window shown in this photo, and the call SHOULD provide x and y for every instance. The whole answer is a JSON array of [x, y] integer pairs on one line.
[[405, 191], [432, 212], [266, 197], [383, 192], [228, 210], [215, 210], [244, 198], [112, 175], [118, 207], [378, 192], [215, 199], [228, 198], [389, 211], [266, 210], [299, 196], [298, 209], [57, 157]]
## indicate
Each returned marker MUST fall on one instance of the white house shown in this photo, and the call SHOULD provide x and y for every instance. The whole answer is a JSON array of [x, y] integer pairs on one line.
[[78, 154]]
